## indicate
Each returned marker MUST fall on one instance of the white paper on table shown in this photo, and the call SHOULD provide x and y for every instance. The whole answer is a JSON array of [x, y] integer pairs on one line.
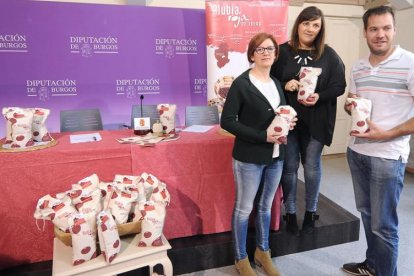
[[198, 128], [88, 137]]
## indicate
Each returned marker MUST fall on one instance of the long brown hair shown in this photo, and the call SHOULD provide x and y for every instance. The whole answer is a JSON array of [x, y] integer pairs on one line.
[[309, 14]]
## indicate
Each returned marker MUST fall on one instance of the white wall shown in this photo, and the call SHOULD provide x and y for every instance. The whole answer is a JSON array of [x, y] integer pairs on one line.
[[404, 25]]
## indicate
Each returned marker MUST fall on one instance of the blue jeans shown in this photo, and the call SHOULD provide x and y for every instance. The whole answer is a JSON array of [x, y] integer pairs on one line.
[[378, 183], [249, 178], [301, 146]]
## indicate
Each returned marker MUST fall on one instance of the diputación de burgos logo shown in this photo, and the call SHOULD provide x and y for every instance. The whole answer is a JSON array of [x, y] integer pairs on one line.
[[86, 46], [131, 88], [13, 43], [44, 89], [200, 86], [234, 14], [169, 47]]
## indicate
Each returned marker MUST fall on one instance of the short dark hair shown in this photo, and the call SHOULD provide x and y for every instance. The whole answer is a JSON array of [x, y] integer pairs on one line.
[[377, 11], [309, 14], [258, 39]]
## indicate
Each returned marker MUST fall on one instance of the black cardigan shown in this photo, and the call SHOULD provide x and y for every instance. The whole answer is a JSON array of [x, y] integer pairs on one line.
[[247, 114], [320, 118]]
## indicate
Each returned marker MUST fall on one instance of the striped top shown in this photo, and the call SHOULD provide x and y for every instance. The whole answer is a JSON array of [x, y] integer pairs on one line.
[[390, 87]]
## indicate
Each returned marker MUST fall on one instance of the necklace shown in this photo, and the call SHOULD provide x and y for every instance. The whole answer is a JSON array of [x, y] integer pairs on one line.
[[303, 60]]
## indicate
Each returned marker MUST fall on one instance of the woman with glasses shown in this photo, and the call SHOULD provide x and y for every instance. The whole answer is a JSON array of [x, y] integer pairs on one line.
[[257, 156], [316, 114]]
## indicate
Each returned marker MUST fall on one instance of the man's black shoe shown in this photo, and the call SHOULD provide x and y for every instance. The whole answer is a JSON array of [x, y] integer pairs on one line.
[[358, 269]]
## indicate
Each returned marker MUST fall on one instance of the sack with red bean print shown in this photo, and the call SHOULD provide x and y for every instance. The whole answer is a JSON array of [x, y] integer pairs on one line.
[[83, 239], [21, 127], [167, 117], [106, 189], [120, 205], [39, 130], [88, 202], [130, 183], [150, 182], [56, 210], [360, 112], [89, 183], [153, 223], [161, 194], [287, 112], [90, 205], [6, 110], [308, 78], [109, 240], [280, 125]]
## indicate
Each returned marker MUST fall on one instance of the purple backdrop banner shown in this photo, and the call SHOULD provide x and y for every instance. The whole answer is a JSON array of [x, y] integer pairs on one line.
[[71, 56]]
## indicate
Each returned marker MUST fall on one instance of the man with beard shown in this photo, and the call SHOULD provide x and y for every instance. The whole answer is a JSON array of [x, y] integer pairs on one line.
[[378, 157]]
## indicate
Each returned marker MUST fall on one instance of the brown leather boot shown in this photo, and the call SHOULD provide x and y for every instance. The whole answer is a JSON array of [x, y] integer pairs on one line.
[[244, 268], [262, 259]]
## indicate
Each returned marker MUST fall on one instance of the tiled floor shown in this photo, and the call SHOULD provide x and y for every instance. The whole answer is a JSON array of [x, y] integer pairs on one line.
[[337, 185]]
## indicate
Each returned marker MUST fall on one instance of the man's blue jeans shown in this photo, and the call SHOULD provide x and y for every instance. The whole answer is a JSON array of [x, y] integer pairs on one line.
[[301, 146], [249, 178], [378, 183]]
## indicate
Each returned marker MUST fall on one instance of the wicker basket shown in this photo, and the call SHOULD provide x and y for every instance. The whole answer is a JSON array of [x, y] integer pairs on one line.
[[123, 230]]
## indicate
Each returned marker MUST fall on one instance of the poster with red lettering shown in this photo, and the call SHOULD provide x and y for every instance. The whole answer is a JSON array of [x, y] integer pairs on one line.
[[229, 27]]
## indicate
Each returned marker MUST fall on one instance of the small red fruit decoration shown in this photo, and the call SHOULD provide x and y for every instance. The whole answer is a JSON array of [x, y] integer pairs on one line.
[[78, 262], [85, 184], [112, 258], [149, 180], [30, 143], [46, 138], [38, 112], [17, 115], [360, 123], [86, 250], [157, 242], [277, 129], [44, 204], [116, 244], [58, 206], [282, 139], [76, 229], [126, 180]]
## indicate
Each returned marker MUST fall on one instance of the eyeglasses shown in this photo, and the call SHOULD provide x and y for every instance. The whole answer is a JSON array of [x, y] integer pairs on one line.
[[261, 50]]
